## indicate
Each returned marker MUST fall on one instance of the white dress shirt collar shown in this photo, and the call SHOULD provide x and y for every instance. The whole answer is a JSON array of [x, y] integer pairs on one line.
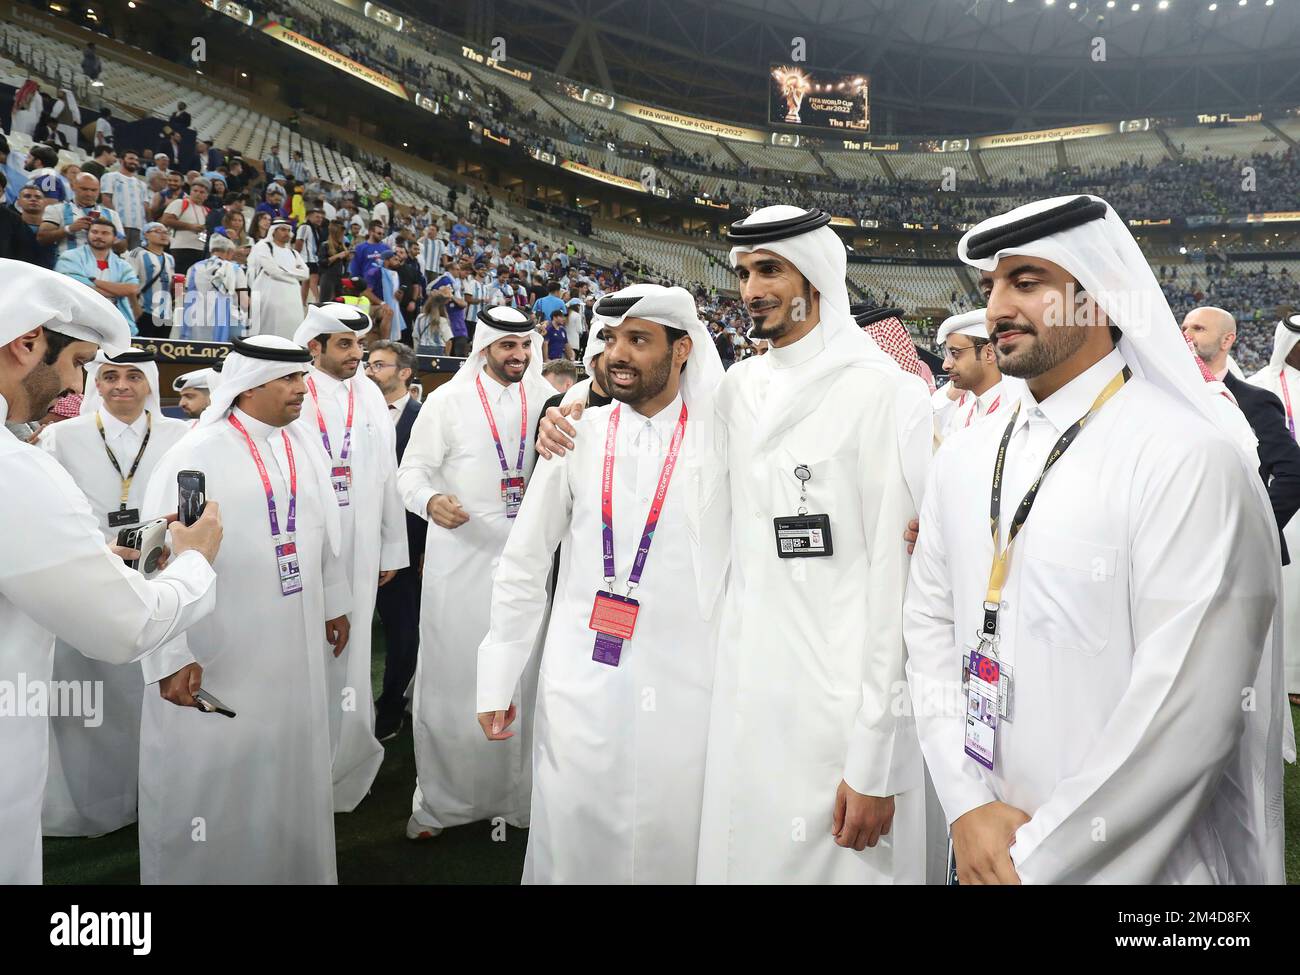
[[326, 384], [398, 406], [496, 391], [661, 424], [798, 352], [1074, 399], [256, 428], [115, 428]]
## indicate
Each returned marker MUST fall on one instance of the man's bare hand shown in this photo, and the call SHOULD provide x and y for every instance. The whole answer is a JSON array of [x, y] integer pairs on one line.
[[125, 554], [179, 688], [981, 842], [912, 533], [860, 821], [336, 633], [495, 723], [445, 511], [204, 535], [387, 576], [554, 431]]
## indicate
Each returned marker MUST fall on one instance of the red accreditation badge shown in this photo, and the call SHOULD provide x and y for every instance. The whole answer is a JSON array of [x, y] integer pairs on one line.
[[982, 692], [286, 556], [341, 478], [512, 493], [613, 617]]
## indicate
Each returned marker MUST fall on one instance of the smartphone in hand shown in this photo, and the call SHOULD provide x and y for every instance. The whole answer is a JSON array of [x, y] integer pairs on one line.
[[191, 496]]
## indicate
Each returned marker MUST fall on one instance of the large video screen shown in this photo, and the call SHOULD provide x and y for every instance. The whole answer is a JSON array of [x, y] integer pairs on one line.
[[816, 99]]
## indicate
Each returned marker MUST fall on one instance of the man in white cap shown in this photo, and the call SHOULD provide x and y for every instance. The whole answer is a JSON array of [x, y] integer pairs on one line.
[[622, 712], [346, 417], [59, 578], [814, 774], [276, 272], [972, 367], [110, 450], [194, 389], [1281, 377], [250, 800], [465, 468], [1122, 718]]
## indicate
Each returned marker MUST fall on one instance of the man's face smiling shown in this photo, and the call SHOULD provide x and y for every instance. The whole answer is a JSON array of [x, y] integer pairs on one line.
[[777, 297], [1029, 302], [508, 358]]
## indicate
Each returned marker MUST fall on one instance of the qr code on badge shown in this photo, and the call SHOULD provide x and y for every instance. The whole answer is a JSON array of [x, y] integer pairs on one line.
[[787, 545]]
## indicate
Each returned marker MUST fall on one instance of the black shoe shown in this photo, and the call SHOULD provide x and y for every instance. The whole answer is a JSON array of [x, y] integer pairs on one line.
[[387, 728]]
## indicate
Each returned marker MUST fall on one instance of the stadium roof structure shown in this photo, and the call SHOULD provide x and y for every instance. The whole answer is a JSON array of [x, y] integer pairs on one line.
[[936, 66]]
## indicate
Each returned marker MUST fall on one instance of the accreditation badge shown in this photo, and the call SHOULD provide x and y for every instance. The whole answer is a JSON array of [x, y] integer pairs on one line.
[[512, 493], [286, 556], [982, 708], [613, 617], [123, 517], [341, 479], [803, 537]]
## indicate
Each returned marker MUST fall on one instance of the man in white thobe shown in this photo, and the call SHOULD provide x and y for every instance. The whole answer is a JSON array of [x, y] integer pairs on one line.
[[620, 736], [972, 368], [249, 799], [110, 450], [194, 391], [346, 416], [1123, 719], [1281, 377], [814, 774], [276, 272], [60, 579], [467, 481]]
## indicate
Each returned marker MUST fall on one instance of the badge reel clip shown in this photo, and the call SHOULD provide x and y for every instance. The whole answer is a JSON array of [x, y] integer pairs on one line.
[[803, 536]]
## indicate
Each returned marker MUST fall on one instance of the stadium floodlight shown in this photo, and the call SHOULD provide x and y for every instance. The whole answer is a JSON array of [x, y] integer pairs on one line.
[[1136, 7], [1074, 5], [1163, 5], [1110, 4], [1213, 7]]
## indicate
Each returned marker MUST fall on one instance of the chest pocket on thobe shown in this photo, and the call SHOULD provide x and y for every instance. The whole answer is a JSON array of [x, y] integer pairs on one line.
[[1067, 589]]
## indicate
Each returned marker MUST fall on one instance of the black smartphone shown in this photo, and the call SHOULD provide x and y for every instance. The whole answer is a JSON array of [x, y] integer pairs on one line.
[[130, 538], [191, 496]]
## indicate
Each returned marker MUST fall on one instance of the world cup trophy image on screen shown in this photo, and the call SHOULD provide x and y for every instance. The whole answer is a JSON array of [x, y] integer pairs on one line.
[[793, 85]]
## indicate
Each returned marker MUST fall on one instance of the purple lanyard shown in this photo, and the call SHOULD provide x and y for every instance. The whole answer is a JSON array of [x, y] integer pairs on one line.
[[656, 507], [266, 481], [324, 433], [492, 425]]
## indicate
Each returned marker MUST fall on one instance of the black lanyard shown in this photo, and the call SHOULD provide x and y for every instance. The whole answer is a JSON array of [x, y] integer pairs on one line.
[[135, 465], [1002, 556]]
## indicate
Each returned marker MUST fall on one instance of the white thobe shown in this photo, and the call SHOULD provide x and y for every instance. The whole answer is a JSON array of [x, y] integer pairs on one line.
[[56, 548], [810, 658], [249, 799], [973, 408], [91, 787], [372, 539], [618, 759], [1267, 379], [276, 274], [24, 120], [461, 776], [944, 408], [1140, 593]]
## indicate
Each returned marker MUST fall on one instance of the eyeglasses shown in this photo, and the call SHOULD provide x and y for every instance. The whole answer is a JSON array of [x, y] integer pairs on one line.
[[955, 354], [376, 366]]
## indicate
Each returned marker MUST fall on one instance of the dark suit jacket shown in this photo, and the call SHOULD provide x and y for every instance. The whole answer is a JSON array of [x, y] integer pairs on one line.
[[1279, 456], [416, 527]]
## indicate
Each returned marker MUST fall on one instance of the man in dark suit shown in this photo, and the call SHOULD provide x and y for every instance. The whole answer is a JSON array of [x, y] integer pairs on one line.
[[392, 366], [1212, 332]]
